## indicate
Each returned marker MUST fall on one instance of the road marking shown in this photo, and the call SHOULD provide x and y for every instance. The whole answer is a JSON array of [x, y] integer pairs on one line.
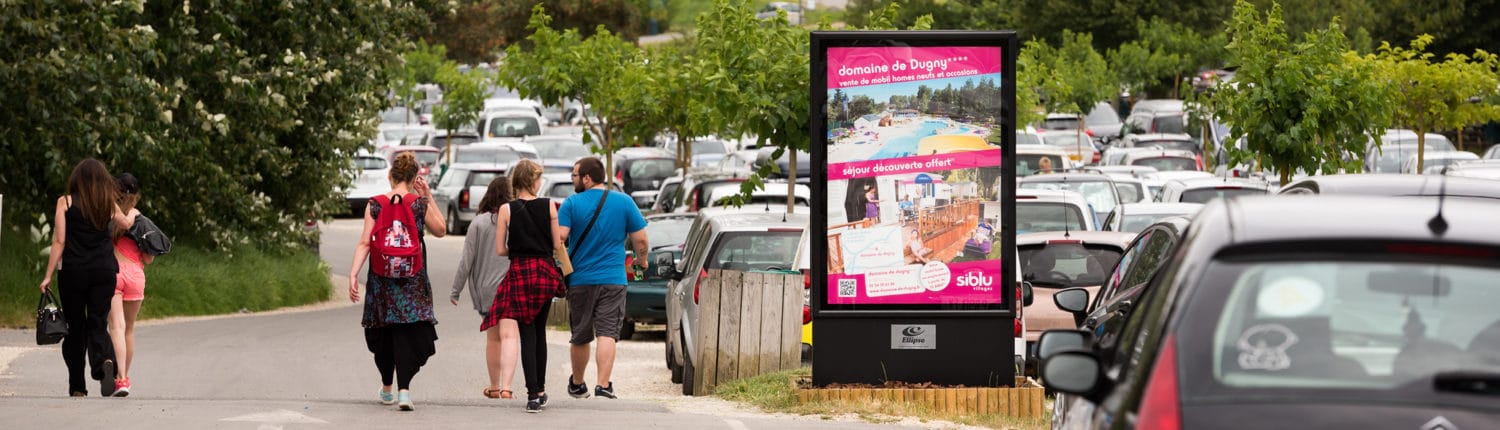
[[736, 424], [275, 420]]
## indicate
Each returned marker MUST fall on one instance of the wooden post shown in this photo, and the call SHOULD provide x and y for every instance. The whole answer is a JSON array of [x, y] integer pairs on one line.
[[750, 334], [731, 293], [771, 310], [791, 322], [705, 372]]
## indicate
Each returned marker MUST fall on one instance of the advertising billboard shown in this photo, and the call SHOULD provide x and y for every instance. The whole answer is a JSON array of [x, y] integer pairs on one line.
[[914, 137]]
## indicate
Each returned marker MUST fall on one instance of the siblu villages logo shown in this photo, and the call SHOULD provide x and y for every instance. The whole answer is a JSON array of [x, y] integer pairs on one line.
[[977, 279]]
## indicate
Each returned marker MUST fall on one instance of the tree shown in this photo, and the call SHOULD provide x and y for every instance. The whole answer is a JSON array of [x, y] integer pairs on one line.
[[1311, 105], [678, 86], [1177, 50], [1135, 66], [475, 31], [601, 71], [419, 66], [463, 101], [1434, 96], [1074, 76], [239, 118]]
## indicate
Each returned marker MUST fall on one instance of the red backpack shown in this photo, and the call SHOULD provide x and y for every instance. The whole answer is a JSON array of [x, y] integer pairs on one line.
[[395, 251]]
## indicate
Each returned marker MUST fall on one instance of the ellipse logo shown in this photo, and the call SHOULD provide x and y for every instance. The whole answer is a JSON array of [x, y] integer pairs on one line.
[[913, 336], [913, 331]]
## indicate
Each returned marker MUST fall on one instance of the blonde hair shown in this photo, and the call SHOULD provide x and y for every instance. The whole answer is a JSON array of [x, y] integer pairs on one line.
[[524, 176], [404, 168]]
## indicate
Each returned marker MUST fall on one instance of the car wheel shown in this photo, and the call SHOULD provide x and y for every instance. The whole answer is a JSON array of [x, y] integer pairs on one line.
[[453, 221], [627, 330], [672, 365], [687, 375]]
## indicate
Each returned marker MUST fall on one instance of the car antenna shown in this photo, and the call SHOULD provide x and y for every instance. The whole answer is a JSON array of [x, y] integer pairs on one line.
[[1067, 229], [1438, 225]]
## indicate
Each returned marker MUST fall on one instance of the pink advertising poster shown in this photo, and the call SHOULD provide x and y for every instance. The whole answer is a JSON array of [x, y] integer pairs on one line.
[[914, 175]]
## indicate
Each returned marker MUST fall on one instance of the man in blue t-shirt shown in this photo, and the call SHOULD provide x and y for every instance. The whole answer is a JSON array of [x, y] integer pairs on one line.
[[596, 289]]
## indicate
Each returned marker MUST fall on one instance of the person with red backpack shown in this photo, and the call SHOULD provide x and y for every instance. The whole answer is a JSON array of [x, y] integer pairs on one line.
[[398, 318]]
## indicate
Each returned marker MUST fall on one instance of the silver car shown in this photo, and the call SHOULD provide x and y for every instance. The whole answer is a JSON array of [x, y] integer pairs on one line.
[[728, 239]]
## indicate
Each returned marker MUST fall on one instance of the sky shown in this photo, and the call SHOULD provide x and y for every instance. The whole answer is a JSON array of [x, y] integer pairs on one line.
[[882, 93]]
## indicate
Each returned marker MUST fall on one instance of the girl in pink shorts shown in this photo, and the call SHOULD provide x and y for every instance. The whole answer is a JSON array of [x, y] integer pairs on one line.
[[130, 290]]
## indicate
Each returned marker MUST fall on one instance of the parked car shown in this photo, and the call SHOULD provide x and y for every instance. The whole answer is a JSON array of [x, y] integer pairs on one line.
[[488, 153], [1154, 121], [774, 194], [1055, 260], [1147, 254], [1433, 163], [389, 135], [728, 239], [690, 192], [1153, 105], [509, 125], [793, 12], [559, 151], [784, 164], [1060, 122], [1098, 189], [1396, 185], [1103, 123], [1396, 146], [427, 156], [374, 179], [642, 170], [1203, 190], [708, 152], [1484, 169], [1135, 217], [1492, 153], [1342, 317], [458, 193], [1122, 171], [441, 139], [1053, 210], [1178, 141], [646, 292], [1079, 147], [1131, 190], [1165, 160]]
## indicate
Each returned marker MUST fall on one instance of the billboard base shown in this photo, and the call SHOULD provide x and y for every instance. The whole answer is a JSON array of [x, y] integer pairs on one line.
[[969, 351]]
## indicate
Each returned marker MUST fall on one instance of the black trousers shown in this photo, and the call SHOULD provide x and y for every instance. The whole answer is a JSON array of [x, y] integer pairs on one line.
[[86, 299], [401, 350], [534, 352]]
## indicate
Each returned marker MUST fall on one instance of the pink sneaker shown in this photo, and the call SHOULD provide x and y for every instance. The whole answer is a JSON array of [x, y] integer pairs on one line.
[[122, 387]]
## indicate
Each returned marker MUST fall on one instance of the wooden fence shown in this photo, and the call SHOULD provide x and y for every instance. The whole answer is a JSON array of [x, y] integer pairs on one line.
[[749, 324]]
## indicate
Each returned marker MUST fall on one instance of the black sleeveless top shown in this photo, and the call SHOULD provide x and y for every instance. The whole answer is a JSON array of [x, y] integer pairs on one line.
[[86, 248], [530, 231]]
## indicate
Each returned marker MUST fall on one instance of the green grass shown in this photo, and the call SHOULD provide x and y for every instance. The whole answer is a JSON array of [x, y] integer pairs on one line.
[[190, 280], [774, 393]]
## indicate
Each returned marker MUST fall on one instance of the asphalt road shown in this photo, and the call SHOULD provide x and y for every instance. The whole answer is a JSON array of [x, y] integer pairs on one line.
[[308, 368]]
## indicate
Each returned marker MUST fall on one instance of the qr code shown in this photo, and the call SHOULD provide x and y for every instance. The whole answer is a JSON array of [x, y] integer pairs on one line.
[[848, 288]]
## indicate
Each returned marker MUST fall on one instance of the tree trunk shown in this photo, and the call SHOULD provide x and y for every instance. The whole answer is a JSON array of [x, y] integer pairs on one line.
[[1177, 85], [1421, 149]]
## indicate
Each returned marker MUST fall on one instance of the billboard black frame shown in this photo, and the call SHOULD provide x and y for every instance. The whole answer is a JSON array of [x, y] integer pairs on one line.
[[817, 124]]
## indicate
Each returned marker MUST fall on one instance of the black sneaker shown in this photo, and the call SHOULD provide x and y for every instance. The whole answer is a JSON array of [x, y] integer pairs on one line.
[[578, 391], [542, 401], [107, 379], [605, 392], [533, 406]]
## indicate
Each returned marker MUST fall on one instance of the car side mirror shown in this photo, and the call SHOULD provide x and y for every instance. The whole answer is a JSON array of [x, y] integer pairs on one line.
[[1076, 372], [1027, 296], [1054, 341], [661, 262], [1075, 300]]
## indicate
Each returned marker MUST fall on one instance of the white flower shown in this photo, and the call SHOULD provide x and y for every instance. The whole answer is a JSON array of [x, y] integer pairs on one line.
[[187, 6], [218, 117], [166, 116], [288, 58], [145, 29]]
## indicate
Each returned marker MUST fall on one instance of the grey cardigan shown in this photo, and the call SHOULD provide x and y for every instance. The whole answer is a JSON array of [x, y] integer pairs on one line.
[[480, 268]]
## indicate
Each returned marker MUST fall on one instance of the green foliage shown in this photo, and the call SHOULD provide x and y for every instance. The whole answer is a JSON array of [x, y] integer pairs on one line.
[[463, 98], [1177, 50], [1431, 95], [476, 30], [683, 109], [1310, 105], [1073, 76], [238, 118]]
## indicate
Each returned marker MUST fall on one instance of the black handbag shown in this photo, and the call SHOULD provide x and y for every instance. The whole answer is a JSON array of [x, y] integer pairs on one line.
[[50, 324], [149, 237]]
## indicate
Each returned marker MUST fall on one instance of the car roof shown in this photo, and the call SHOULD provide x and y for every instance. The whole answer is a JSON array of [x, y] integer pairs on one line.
[[1156, 208], [1039, 149], [1152, 137], [1050, 196], [1174, 175], [1191, 183], [1391, 184], [670, 216], [1347, 217], [1067, 177], [1115, 238], [1140, 153], [753, 218]]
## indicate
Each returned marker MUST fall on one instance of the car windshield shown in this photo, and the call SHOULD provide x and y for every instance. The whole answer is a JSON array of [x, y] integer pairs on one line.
[[707, 191], [459, 140], [1204, 195], [1382, 327], [1129, 192], [398, 115], [514, 127], [1033, 217], [755, 250], [1028, 139], [1061, 124], [1068, 264], [561, 190], [1168, 124], [370, 163], [1103, 114], [1181, 145], [1068, 141], [427, 158], [1138, 223], [395, 135], [651, 168], [708, 147], [1030, 164], [667, 232], [560, 151], [1167, 164], [1100, 194], [486, 156], [1393, 153]]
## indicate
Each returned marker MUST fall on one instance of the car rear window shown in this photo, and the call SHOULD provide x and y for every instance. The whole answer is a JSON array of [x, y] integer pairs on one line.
[[1030, 164], [483, 178], [1171, 124], [486, 156], [1129, 192], [1028, 139], [370, 163], [1032, 217], [514, 127], [1167, 164], [1379, 328], [561, 190], [426, 158], [755, 250], [1100, 194], [1181, 145], [1068, 264], [1204, 195], [707, 190], [1061, 124]]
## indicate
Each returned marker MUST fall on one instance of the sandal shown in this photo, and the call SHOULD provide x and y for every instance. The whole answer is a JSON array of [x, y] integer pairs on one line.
[[496, 393]]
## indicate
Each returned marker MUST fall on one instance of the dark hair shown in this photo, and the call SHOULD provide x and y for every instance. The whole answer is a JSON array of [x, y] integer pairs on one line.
[[592, 168], [129, 194], [496, 195], [93, 191], [404, 167]]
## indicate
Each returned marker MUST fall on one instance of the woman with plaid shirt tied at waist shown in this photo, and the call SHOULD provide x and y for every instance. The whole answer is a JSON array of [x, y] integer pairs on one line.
[[526, 231]]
